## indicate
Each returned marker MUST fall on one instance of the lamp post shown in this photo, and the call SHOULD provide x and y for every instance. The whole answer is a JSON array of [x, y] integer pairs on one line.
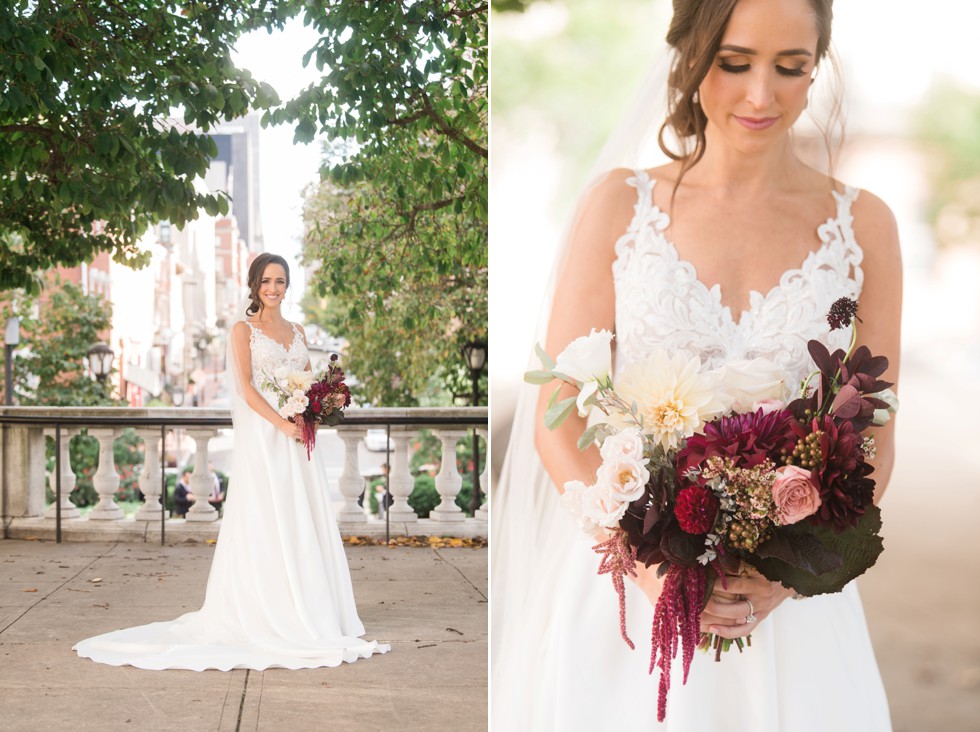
[[11, 338], [100, 361], [475, 355]]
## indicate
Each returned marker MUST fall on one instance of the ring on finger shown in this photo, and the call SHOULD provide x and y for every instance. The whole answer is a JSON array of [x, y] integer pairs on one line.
[[750, 618]]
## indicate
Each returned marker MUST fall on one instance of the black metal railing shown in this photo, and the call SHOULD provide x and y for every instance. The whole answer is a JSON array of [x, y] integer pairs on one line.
[[57, 418]]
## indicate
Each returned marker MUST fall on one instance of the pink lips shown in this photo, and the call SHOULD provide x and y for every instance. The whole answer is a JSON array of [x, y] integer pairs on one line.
[[757, 123]]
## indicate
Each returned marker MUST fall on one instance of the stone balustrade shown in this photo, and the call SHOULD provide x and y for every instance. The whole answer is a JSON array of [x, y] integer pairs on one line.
[[162, 430]]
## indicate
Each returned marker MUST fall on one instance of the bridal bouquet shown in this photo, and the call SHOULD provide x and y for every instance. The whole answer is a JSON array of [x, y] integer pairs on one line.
[[314, 398], [706, 471]]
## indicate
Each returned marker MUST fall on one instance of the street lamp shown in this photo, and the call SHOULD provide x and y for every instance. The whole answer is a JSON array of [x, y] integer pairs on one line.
[[11, 338], [100, 361], [475, 356]]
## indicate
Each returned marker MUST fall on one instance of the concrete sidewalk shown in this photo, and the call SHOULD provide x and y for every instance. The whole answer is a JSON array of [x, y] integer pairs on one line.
[[430, 604]]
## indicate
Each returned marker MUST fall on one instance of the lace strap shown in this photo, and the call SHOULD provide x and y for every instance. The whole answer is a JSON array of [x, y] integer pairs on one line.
[[851, 251], [644, 184]]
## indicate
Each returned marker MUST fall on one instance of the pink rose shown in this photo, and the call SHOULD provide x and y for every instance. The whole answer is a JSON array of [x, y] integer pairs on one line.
[[795, 494], [768, 405]]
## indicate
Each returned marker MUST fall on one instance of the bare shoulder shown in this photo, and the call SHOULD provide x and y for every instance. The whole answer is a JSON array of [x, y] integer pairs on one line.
[[876, 230], [603, 215], [611, 192], [240, 330]]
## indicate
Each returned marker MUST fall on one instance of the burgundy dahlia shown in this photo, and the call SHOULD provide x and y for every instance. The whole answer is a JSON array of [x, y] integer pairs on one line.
[[845, 490], [746, 439], [696, 509]]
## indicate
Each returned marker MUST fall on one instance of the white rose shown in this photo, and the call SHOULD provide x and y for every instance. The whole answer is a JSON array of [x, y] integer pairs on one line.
[[290, 409], [627, 444], [623, 478], [882, 416], [748, 382], [602, 507], [573, 501], [588, 360]]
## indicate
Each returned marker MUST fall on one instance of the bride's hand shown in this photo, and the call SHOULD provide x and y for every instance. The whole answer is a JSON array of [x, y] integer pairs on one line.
[[728, 607], [292, 429], [646, 579]]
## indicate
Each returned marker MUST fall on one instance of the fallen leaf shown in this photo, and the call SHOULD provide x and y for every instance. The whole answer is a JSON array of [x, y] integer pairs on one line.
[[453, 630], [33, 589], [95, 579], [211, 541]]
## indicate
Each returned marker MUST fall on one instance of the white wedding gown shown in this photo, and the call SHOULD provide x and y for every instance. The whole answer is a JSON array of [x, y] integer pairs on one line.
[[559, 661], [279, 593]]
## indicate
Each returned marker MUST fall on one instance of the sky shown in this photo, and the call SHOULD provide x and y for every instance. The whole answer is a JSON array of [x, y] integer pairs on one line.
[[285, 168]]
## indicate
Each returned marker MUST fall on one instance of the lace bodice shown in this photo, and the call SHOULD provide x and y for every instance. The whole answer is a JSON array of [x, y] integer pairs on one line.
[[661, 303], [268, 355]]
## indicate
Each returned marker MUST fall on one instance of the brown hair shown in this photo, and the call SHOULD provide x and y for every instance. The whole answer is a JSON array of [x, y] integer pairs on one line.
[[695, 34], [255, 272]]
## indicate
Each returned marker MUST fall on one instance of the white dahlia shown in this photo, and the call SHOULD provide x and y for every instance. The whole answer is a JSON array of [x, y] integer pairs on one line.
[[674, 397]]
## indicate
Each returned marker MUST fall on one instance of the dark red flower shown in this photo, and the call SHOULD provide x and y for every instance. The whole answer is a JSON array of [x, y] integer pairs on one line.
[[696, 509], [747, 439], [842, 312], [845, 490]]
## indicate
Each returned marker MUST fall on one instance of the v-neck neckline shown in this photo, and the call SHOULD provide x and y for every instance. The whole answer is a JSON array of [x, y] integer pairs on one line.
[[754, 296]]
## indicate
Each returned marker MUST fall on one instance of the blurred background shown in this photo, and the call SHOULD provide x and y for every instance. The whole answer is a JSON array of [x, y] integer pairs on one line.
[[562, 74]]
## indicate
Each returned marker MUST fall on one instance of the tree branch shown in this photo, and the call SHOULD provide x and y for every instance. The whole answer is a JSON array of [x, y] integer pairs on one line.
[[451, 132], [35, 129]]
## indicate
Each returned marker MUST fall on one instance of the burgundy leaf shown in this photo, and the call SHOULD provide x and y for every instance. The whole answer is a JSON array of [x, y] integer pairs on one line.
[[820, 354], [847, 403]]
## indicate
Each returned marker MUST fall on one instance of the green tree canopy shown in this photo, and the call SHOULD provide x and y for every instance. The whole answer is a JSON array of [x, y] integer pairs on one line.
[[89, 157], [398, 226], [56, 334]]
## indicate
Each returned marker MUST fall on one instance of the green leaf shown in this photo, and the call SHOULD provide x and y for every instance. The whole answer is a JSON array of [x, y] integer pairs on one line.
[[857, 547], [588, 437], [546, 360], [558, 412], [538, 377]]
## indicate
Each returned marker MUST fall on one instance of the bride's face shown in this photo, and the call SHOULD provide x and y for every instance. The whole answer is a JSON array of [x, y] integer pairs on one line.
[[757, 86], [272, 288]]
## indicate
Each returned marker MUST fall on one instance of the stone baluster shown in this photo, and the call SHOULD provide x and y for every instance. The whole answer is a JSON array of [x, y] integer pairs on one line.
[[150, 479], [400, 480], [202, 481], [68, 509], [483, 512], [106, 478], [350, 481], [448, 481]]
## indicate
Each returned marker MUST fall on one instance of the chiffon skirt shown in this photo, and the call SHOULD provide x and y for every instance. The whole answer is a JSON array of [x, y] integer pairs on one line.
[[279, 592]]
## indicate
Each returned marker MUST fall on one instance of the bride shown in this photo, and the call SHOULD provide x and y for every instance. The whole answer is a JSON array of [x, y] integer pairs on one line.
[[279, 593], [734, 250]]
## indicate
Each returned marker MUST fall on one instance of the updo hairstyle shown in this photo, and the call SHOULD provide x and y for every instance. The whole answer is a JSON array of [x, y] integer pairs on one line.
[[255, 272]]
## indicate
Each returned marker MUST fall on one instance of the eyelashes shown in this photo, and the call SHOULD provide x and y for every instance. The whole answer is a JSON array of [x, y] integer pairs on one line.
[[742, 68]]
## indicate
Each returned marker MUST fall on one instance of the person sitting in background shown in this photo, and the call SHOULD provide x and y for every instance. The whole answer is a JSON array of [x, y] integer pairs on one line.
[[217, 497], [183, 498]]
